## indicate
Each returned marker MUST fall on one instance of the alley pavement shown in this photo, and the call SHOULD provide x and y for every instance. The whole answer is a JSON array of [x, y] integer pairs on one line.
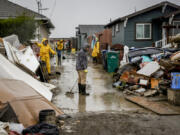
[[105, 111], [99, 84]]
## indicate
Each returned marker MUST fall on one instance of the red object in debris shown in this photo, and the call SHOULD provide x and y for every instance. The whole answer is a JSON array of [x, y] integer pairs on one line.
[[13, 133], [35, 134]]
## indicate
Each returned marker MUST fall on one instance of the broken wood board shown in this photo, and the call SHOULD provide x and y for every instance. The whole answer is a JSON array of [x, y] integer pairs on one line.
[[154, 83], [149, 69], [161, 108], [25, 101], [10, 71], [24, 57], [28, 59], [150, 93]]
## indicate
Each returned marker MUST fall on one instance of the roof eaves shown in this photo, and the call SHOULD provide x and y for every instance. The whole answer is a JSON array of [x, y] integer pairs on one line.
[[41, 16], [141, 11], [174, 13]]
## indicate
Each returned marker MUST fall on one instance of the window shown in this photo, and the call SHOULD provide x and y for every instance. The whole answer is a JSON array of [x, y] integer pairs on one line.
[[143, 31], [176, 30], [117, 27]]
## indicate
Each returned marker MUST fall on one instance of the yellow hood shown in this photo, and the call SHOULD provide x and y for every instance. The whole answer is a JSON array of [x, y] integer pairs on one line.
[[44, 39]]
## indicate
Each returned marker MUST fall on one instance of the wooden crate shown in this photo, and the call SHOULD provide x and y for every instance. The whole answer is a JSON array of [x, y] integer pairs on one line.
[[174, 96]]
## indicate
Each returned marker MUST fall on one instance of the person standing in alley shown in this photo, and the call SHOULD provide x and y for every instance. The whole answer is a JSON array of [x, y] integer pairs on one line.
[[59, 49], [45, 50], [81, 67]]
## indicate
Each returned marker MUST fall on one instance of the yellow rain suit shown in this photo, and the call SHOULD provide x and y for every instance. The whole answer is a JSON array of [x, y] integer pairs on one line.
[[44, 53], [95, 50], [60, 45]]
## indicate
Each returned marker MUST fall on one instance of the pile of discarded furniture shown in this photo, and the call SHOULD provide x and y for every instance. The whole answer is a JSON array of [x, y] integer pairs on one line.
[[150, 72]]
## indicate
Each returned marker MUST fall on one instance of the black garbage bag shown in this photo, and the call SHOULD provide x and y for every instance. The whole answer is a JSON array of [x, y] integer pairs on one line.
[[42, 128]]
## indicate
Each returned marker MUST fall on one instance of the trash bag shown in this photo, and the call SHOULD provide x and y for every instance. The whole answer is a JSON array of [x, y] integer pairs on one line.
[[42, 128]]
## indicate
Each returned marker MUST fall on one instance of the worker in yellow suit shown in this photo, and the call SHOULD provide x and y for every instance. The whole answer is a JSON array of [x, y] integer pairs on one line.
[[95, 51], [60, 45], [45, 50]]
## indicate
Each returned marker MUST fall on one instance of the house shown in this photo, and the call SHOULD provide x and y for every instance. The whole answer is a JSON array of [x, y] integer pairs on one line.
[[72, 41], [143, 28], [9, 9], [105, 38], [170, 27], [83, 31]]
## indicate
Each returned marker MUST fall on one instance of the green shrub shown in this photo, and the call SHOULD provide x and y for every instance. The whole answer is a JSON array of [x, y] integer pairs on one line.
[[23, 26]]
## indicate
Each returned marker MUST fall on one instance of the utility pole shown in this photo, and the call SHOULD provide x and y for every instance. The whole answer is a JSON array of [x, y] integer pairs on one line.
[[38, 29], [40, 9], [135, 9]]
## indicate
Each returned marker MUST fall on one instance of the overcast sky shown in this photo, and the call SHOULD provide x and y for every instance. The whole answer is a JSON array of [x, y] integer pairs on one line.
[[68, 14]]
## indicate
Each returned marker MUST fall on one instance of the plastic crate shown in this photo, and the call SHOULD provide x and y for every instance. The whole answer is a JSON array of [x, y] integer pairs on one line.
[[175, 81]]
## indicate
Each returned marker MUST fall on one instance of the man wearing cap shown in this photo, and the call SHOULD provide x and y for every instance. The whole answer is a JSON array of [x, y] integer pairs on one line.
[[81, 67]]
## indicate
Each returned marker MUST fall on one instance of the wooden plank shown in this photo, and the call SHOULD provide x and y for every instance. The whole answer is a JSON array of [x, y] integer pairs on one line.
[[24, 100], [9, 71], [161, 108]]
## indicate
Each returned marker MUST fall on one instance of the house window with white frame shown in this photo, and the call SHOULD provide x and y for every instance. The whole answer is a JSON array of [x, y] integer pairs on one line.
[[143, 31]]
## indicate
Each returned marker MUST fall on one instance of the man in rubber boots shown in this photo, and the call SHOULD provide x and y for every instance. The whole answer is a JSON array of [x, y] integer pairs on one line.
[[45, 49], [81, 67], [59, 50]]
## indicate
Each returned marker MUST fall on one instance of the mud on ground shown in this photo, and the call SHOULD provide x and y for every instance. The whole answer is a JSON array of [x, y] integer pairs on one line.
[[105, 111], [115, 123]]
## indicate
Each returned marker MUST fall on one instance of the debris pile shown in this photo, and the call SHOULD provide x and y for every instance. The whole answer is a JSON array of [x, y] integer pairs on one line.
[[46, 127], [148, 72], [24, 99]]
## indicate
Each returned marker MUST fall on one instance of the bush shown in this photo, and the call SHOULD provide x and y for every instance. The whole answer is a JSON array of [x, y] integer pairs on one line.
[[23, 26]]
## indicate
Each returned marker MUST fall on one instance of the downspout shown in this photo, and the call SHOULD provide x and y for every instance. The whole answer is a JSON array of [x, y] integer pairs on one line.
[[170, 22], [125, 22]]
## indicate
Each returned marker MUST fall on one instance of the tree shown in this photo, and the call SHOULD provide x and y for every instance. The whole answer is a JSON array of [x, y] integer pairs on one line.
[[23, 26]]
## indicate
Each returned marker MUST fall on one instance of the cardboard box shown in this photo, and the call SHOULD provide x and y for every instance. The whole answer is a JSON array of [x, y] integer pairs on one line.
[[174, 96]]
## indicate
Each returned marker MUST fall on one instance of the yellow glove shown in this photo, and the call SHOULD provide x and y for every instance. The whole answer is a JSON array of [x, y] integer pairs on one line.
[[85, 70]]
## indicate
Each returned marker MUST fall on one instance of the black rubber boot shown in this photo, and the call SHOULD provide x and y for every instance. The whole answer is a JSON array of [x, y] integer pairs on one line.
[[80, 87], [84, 90]]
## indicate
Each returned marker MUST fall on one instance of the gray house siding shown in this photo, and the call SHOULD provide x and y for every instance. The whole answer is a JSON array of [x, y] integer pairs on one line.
[[177, 17], [127, 35], [170, 10], [83, 40], [119, 36], [87, 30], [130, 31]]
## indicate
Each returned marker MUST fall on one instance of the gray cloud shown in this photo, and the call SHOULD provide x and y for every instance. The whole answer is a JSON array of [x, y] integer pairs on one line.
[[67, 14]]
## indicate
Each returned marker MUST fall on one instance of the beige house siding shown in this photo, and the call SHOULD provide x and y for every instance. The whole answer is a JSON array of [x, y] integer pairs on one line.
[[43, 32]]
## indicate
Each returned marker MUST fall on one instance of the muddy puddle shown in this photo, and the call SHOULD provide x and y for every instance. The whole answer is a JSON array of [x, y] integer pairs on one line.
[[99, 84]]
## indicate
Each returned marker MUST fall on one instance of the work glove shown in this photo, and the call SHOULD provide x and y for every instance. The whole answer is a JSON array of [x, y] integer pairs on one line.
[[85, 70]]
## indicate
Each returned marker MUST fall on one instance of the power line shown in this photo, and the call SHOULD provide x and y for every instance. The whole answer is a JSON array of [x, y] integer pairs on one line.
[[53, 8], [40, 9]]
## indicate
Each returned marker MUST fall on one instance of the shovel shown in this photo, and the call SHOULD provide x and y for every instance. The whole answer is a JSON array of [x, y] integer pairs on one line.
[[57, 72], [71, 92]]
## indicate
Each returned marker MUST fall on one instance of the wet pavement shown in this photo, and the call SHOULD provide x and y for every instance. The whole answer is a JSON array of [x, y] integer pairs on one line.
[[105, 111], [103, 97]]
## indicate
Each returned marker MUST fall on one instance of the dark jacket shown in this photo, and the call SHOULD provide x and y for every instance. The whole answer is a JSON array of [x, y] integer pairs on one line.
[[81, 60]]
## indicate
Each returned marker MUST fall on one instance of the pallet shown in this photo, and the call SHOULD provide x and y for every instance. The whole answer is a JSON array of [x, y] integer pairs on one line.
[[158, 107]]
